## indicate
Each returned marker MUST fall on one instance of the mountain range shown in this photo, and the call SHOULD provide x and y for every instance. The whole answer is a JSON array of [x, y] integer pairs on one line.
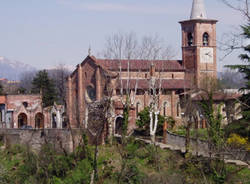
[[12, 70]]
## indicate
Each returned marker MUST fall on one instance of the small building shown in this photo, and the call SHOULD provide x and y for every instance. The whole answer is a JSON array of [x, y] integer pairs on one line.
[[20, 111]]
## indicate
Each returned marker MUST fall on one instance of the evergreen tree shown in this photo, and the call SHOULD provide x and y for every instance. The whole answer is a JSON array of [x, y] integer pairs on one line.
[[42, 83], [245, 69], [1, 89]]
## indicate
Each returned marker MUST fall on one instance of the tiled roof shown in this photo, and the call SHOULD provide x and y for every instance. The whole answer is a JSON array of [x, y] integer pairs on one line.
[[218, 96], [166, 84], [142, 65]]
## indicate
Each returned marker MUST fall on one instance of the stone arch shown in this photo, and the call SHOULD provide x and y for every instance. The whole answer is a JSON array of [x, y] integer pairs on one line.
[[190, 39], [53, 122], [138, 105], [119, 120], [91, 92], [39, 120], [205, 39], [22, 120], [165, 108], [64, 120]]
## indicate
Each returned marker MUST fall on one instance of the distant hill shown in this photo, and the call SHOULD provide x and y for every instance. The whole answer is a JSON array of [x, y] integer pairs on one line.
[[12, 70]]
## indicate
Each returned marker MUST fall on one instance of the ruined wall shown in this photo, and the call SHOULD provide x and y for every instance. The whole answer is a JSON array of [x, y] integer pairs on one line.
[[59, 138]]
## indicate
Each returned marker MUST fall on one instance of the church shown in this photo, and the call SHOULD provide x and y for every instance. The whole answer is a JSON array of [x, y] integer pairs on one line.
[[94, 77]]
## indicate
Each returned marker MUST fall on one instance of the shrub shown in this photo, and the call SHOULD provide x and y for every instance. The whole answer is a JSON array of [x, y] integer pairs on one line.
[[143, 122], [236, 141]]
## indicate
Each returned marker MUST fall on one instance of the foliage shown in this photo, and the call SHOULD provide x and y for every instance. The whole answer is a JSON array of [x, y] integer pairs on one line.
[[42, 83], [202, 133], [1, 89], [214, 118], [21, 165], [144, 121], [22, 90], [245, 69], [236, 141], [171, 122], [240, 127], [230, 79]]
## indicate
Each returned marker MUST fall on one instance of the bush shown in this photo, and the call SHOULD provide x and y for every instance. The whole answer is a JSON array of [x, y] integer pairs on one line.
[[143, 123], [239, 127], [236, 141]]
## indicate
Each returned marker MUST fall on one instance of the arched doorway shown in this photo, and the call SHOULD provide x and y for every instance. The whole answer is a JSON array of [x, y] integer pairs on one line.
[[118, 125], [22, 120], [64, 120], [39, 120], [54, 123]]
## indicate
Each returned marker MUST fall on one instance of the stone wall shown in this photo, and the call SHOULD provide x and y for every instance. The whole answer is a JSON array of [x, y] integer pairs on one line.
[[179, 141], [201, 147], [60, 139]]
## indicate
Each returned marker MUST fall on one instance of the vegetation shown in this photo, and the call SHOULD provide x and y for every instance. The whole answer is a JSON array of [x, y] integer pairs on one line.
[[202, 133], [245, 69], [43, 84], [21, 165], [240, 127], [1, 89], [143, 122], [238, 142]]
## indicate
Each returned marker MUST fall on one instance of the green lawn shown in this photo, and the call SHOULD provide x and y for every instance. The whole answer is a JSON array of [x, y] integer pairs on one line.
[[200, 133]]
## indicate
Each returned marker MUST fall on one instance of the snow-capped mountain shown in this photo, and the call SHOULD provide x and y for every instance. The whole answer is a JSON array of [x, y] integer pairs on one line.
[[12, 70]]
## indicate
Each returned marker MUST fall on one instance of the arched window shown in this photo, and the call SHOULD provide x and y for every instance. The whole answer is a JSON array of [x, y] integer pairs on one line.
[[178, 109], [165, 109], [22, 120], [118, 125], [205, 39], [190, 39], [39, 120], [91, 93], [54, 123], [137, 108]]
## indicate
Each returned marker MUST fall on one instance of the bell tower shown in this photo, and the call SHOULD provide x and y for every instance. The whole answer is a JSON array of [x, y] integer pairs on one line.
[[199, 45]]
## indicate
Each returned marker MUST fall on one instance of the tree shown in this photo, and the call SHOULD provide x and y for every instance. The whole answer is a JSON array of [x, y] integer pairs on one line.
[[59, 75], [1, 89], [44, 85], [245, 69], [230, 79], [144, 118], [242, 6], [26, 81], [127, 46]]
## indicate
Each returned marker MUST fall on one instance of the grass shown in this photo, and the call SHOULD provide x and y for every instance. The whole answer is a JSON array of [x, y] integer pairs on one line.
[[201, 133]]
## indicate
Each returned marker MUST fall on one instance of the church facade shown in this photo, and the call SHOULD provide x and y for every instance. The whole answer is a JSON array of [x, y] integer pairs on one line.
[[93, 78]]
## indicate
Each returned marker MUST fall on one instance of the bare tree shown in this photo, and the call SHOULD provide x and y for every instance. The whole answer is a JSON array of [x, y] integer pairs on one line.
[[26, 80], [241, 6], [59, 75], [129, 46], [234, 40]]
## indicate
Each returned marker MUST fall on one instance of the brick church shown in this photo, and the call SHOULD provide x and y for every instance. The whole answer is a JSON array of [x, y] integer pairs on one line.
[[91, 79]]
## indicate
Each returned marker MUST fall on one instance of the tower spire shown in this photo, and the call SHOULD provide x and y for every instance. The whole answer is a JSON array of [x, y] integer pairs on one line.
[[198, 10]]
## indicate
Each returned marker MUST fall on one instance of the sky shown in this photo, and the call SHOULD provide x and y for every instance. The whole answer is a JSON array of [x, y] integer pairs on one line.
[[45, 33]]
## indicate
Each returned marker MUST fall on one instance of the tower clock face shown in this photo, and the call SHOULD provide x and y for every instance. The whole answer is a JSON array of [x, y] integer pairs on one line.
[[206, 55]]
